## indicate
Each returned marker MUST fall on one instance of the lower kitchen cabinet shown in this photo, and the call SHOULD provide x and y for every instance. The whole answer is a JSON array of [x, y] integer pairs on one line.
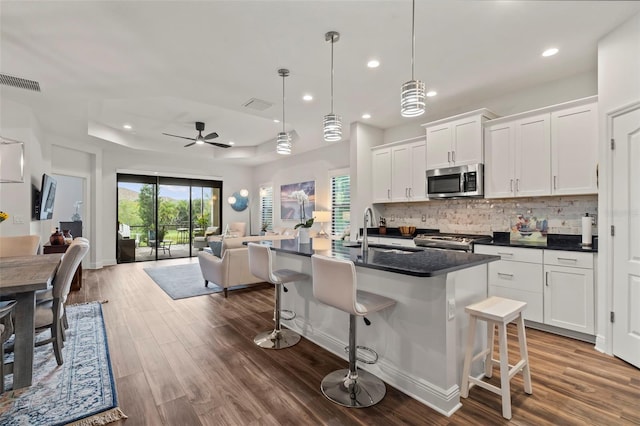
[[558, 286], [569, 291]]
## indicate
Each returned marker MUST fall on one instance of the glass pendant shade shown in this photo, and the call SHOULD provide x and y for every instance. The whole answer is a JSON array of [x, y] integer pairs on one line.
[[412, 99], [332, 128], [284, 143]]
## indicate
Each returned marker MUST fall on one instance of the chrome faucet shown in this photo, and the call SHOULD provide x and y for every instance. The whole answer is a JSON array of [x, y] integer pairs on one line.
[[365, 244]]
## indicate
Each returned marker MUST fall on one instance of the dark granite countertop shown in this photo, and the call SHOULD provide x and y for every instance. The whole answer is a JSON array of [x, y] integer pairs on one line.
[[419, 262], [554, 242]]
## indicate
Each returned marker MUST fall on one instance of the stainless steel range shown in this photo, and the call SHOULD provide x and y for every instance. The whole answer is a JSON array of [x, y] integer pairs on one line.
[[460, 242]]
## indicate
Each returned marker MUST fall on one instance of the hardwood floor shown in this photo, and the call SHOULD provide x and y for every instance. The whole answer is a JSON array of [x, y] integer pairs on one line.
[[193, 361]]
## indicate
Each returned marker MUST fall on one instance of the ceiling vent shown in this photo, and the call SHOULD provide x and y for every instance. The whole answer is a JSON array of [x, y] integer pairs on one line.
[[20, 83], [257, 104]]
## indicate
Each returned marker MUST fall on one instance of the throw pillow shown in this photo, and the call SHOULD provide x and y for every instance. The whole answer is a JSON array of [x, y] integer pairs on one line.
[[216, 248]]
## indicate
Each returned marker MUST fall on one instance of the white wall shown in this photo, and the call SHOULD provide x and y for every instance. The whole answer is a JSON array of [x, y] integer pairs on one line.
[[618, 86], [313, 165]]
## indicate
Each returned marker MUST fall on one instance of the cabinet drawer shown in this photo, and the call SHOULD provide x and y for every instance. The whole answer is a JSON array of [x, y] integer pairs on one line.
[[397, 241], [534, 301], [515, 254], [568, 258], [516, 275]]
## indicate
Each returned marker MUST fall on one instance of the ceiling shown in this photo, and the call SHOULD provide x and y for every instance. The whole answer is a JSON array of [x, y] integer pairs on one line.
[[161, 66]]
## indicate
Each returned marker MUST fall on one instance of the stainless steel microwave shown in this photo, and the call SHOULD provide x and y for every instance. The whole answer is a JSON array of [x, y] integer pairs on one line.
[[456, 182]]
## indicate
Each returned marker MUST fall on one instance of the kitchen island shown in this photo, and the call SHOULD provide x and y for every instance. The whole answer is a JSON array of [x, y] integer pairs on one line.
[[420, 341]]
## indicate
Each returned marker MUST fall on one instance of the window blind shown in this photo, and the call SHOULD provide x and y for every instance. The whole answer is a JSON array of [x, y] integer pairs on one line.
[[266, 208], [340, 204]]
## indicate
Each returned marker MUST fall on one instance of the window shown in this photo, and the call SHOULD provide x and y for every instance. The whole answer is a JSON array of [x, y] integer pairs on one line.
[[340, 203], [266, 208]]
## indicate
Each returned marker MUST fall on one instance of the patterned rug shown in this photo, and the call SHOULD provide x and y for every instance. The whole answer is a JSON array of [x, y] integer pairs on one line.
[[81, 390]]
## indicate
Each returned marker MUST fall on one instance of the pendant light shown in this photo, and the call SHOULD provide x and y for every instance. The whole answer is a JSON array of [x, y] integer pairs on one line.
[[332, 123], [284, 140], [412, 98]]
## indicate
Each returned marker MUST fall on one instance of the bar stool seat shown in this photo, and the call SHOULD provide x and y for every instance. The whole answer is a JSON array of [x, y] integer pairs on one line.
[[497, 312], [335, 284], [261, 265]]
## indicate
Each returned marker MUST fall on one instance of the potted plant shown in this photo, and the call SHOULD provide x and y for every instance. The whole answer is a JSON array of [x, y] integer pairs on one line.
[[305, 224], [263, 228]]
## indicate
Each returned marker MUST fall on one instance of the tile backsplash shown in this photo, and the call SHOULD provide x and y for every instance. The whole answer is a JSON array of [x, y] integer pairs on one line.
[[485, 216]]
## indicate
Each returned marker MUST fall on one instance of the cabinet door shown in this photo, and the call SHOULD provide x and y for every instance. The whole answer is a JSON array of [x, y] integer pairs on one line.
[[466, 147], [533, 156], [400, 173], [439, 139], [574, 141], [519, 281], [417, 187], [499, 161], [568, 298], [381, 175]]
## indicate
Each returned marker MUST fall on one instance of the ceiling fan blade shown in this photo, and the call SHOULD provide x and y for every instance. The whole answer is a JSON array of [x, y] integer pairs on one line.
[[221, 145], [211, 136], [176, 136], [189, 144]]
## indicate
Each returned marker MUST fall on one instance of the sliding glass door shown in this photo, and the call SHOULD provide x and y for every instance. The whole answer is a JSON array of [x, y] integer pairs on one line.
[[164, 217]]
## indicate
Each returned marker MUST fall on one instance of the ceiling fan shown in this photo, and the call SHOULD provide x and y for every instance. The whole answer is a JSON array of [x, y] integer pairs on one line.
[[200, 139]]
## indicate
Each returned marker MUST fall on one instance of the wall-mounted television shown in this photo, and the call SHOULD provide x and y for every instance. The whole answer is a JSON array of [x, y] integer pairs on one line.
[[44, 199]]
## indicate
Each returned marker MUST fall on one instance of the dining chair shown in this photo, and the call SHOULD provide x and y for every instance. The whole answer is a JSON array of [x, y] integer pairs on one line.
[[6, 330], [50, 314], [21, 245]]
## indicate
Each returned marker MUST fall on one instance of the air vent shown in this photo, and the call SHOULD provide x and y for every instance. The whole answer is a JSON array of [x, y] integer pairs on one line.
[[20, 83], [257, 104]]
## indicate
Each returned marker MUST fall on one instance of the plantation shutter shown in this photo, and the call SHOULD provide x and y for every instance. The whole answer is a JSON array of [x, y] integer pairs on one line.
[[340, 204], [266, 207]]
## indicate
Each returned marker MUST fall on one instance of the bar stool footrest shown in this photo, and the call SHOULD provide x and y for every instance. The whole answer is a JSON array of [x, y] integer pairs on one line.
[[287, 315], [369, 360]]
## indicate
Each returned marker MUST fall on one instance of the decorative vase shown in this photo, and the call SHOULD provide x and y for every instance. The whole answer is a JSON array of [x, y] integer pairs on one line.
[[303, 235], [56, 239]]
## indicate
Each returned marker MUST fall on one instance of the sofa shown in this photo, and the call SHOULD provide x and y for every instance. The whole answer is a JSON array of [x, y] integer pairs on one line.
[[232, 267]]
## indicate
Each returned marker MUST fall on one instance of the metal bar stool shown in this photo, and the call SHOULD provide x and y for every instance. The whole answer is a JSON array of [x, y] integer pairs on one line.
[[335, 284], [6, 329], [497, 312], [261, 265]]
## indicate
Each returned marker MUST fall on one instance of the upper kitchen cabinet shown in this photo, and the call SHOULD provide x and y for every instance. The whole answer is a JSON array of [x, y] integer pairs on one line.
[[457, 140], [574, 150], [399, 171], [549, 151], [517, 157]]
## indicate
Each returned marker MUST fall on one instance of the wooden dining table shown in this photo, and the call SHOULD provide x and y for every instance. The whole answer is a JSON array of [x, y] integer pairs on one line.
[[20, 277]]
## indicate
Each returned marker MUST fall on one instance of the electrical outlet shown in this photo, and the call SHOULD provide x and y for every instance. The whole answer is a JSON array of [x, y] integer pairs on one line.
[[393, 218], [452, 308], [594, 220], [18, 219], [424, 217]]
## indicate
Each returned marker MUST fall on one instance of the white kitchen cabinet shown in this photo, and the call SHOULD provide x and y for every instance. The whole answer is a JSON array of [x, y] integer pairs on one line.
[[569, 291], [517, 158], [402, 242], [381, 175], [517, 276], [550, 151], [574, 150], [398, 172], [456, 141], [558, 286]]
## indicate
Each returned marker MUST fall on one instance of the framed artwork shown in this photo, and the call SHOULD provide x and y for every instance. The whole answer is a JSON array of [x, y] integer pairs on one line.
[[290, 194]]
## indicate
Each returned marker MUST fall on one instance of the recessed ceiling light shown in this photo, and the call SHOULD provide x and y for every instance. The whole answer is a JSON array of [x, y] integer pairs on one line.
[[374, 63], [431, 93], [127, 126], [232, 143], [275, 120], [550, 52], [307, 97], [366, 116]]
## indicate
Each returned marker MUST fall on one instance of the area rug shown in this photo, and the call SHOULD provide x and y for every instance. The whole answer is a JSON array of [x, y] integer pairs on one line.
[[81, 391], [181, 281]]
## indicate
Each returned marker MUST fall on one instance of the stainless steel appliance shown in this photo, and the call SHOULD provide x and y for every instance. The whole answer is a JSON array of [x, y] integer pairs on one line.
[[456, 182], [461, 242]]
